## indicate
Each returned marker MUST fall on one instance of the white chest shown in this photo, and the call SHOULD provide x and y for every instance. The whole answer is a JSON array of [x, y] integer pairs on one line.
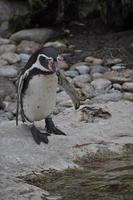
[[40, 97]]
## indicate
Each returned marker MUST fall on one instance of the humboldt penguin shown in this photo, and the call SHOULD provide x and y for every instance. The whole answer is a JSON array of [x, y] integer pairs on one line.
[[36, 94]]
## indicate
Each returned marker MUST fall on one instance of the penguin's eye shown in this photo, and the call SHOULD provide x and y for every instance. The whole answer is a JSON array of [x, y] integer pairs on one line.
[[43, 61]]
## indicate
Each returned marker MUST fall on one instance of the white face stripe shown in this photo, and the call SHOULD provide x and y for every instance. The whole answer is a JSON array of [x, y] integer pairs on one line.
[[37, 65], [43, 55]]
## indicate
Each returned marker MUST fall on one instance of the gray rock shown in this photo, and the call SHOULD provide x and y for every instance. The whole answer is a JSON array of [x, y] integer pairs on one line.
[[11, 58], [14, 188], [88, 90], [116, 78], [3, 62], [7, 88], [94, 61], [112, 61], [82, 68], [61, 96], [128, 86], [24, 57], [117, 86], [4, 41], [118, 67], [78, 51], [98, 69], [56, 44], [97, 75], [10, 107], [80, 80], [19, 155], [63, 65], [71, 73], [58, 110], [9, 71], [113, 96], [40, 35], [7, 48], [101, 84], [27, 47], [128, 96], [65, 103], [53, 197], [9, 115]]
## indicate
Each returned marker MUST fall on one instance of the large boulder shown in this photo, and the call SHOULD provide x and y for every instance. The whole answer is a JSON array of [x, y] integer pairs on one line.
[[40, 35]]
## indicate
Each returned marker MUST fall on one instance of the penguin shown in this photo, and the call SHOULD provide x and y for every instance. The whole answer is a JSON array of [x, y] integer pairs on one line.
[[36, 93]]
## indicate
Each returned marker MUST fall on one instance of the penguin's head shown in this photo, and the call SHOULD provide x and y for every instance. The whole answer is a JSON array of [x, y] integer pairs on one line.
[[49, 59], [47, 63]]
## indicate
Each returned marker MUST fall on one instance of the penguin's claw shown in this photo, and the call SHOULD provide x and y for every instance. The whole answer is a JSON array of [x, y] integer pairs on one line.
[[55, 131], [38, 136], [44, 137], [51, 128]]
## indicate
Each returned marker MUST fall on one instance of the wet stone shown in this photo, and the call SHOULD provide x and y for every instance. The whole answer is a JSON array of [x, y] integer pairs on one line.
[[11, 58], [116, 78], [61, 96], [3, 62], [93, 60], [71, 73], [81, 67], [80, 80], [112, 96], [9, 71], [56, 44], [128, 96], [118, 67], [88, 90], [7, 48], [24, 57], [27, 47], [98, 69], [97, 75], [117, 86], [128, 86], [40, 35], [10, 107], [63, 65], [101, 84], [110, 61], [9, 115], [7, 88], [58, 110], [66, 103], [4, 41]]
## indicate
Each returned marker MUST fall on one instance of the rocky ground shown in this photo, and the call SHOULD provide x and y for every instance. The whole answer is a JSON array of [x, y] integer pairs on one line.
[[100, 68]]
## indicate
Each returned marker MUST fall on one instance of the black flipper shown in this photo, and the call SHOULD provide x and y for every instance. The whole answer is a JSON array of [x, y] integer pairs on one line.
[[70, 90], [51, 128]]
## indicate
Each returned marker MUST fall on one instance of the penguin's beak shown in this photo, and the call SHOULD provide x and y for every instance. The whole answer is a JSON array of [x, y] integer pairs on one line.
[[51, 66]]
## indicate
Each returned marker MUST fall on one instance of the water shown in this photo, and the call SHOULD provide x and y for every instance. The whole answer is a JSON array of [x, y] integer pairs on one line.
[[103, 175]]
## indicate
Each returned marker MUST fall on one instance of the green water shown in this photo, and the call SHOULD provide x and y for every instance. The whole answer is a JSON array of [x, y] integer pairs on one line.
[[103, 175]]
